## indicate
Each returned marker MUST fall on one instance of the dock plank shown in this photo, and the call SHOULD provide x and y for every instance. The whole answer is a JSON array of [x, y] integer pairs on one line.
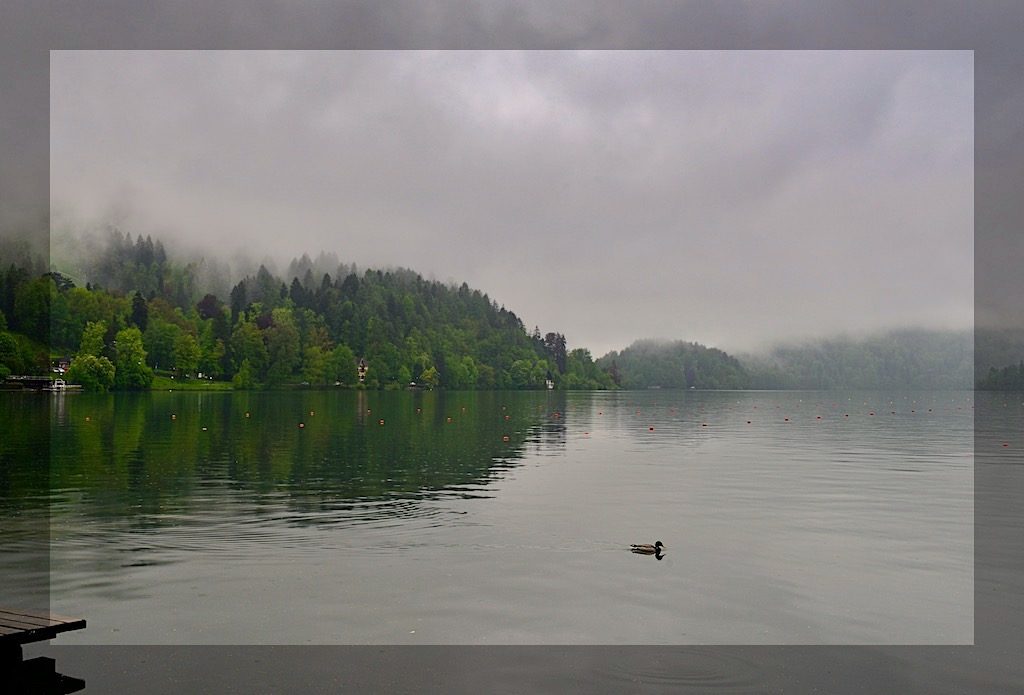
[[34, 614], [18, 626]]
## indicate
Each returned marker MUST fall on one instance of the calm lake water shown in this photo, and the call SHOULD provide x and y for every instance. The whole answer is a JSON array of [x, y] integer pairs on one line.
[[832, 518]]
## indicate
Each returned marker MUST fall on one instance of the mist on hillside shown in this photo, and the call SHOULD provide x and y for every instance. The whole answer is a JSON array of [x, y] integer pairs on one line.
[[732, 199]]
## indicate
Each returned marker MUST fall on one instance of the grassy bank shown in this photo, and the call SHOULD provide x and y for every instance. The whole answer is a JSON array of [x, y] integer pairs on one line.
[[165, 383]]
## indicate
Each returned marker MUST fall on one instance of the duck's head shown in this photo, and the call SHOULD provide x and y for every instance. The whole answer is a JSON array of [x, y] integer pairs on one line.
[[659, 545]]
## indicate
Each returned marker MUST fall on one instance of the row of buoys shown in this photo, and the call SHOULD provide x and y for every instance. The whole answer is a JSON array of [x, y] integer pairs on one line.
[[557, 415], [418, 410], [651, 429]]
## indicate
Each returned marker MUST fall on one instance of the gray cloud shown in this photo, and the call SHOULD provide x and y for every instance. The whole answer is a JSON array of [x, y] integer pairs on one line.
[[729, 198]]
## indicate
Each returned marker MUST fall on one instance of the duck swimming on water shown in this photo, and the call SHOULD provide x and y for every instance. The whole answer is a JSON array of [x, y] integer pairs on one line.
[[647, 548]]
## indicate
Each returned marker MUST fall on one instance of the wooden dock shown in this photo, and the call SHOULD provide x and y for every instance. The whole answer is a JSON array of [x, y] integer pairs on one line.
[[18, 627], [38, 675]]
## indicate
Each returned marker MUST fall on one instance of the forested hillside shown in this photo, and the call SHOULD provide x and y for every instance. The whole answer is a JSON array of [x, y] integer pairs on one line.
[[140, 311], [24, 317], [126, 311], [677, 364]]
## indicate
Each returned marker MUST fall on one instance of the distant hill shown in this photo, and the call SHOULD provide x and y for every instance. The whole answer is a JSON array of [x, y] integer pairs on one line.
[[896, 359]]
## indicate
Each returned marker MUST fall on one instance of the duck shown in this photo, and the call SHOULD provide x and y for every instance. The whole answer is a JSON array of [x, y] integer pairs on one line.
[[647, 548]]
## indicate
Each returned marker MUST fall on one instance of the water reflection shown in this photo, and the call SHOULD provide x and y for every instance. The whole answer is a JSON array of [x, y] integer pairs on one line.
[[391, 518], [657, 554], [326, 457], [40, 677]]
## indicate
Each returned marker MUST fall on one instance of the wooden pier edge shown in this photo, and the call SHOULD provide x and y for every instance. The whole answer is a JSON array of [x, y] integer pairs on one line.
[[19, 627]]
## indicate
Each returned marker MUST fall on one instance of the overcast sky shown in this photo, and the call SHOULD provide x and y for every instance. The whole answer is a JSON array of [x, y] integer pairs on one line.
[[729, 198]]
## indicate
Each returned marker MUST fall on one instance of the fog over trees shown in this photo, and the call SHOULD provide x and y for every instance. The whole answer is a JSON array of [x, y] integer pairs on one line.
[[129, 311], [147, 312]]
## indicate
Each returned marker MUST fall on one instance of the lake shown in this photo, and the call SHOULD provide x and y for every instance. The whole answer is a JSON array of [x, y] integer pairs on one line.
[[482, 518]]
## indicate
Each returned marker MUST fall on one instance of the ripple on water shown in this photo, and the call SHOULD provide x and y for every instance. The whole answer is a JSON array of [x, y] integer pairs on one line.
[[281, 527], [682, 669]]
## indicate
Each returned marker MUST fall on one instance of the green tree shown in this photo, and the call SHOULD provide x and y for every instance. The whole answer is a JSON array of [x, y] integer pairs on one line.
[[92, 339], [186, 355], [140, 312], [247, 345], [540, 373], [159, 340], [282, 346], [384, 363], [244, 379], [211, 356], [554, 347], [32, 309], [63, 328], [519, 374], [92, 372], [316, 365], [9, 357], [130, 369], [83, 306], [404, 375], [238, 301], [343, 362], [430, 378], [471, 370], [454, 376]]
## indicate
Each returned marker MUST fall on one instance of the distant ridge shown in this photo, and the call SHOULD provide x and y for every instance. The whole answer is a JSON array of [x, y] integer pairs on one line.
[[899, 359]]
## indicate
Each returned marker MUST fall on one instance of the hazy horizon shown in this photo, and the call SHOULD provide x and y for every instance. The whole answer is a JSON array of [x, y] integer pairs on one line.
[[734, 199]]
